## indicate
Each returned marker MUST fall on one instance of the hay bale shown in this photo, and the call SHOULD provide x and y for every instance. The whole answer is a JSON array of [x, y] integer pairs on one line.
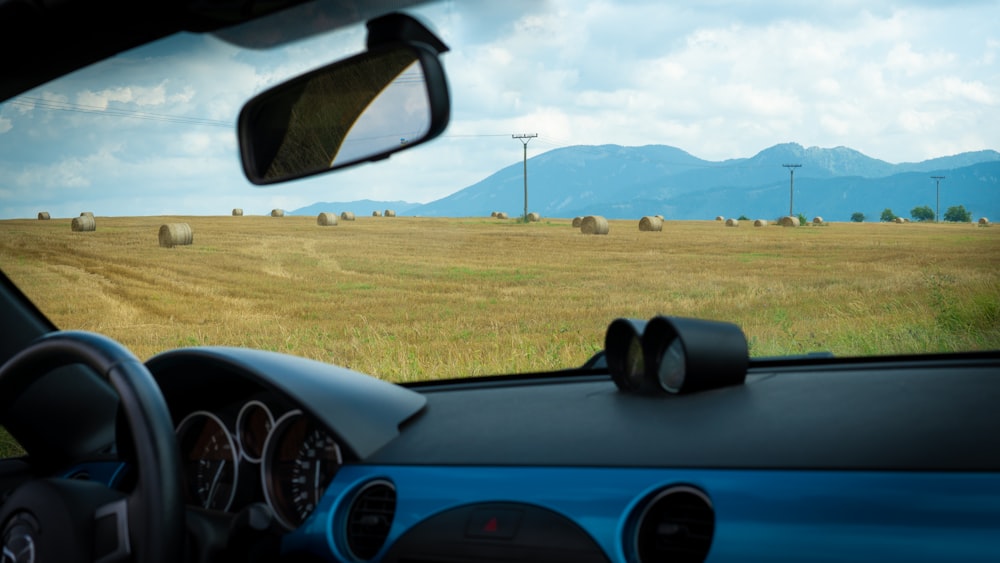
[[87, 214], [326, 219], [732, 222], [277, 213], [789, 221], [654, 223], [660, 217], [534, 217], [84, 223], [720, 218], [594, 225], [817, 220], [390, 213], [577, 221], [493, 215], [376, 213], [43, 216], [237, 212], [175, 234], [501, 215], [347, 215], [760, 223], [899, 220], [984, 221]]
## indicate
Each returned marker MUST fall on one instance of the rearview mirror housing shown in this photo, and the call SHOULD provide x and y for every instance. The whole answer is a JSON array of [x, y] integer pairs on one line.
[[387, 99]]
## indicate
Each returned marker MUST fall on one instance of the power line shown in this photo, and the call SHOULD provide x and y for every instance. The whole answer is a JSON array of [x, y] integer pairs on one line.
[[791, 186], [55, 105], [524, 138], [937, 204]]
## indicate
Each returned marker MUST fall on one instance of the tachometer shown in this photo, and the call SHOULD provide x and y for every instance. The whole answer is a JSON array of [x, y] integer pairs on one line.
[[300, 460], [210, 460]]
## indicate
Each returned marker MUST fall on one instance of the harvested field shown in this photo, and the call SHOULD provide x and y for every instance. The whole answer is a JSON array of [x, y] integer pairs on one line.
[[422, 298]]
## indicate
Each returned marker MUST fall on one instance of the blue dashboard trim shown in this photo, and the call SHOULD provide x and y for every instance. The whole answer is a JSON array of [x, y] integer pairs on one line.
[[761, 515]]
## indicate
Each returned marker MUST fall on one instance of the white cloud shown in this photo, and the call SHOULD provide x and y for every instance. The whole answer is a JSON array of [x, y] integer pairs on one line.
[[5, 125]]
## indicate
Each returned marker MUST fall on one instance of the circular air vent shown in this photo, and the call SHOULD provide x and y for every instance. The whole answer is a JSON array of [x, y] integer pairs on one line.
[[676, 525], [370, 518]]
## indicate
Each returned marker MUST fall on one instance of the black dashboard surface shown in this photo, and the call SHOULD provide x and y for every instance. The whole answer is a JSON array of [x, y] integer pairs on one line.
[[875, 415]]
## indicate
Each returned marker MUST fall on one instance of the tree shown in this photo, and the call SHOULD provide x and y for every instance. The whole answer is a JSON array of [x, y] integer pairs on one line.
[[924, 213], [887, 216], [742, 218], [858, 217], [957, 214]]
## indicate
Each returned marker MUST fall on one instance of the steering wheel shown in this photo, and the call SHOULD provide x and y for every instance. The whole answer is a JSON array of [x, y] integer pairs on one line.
[[54, 520]]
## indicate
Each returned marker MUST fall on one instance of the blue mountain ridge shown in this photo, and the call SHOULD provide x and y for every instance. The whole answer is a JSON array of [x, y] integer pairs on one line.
[[621, 182]]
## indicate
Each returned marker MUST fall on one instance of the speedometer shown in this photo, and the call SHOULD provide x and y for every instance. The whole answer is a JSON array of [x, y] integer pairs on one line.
[[300, 459], [210, 460]]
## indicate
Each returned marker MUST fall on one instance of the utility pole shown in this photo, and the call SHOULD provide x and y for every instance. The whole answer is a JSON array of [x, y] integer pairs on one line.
[[791, 186], [524, 138], [937, 202]]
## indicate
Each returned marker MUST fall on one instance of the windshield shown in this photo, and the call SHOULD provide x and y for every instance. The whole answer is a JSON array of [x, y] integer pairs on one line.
[[603, 160]]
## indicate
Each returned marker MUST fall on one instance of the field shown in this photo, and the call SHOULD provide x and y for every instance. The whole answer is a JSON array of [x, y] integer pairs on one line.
[[419, 298]]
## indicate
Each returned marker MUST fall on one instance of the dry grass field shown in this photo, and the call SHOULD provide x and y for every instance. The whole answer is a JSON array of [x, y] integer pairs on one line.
[[418, 298]]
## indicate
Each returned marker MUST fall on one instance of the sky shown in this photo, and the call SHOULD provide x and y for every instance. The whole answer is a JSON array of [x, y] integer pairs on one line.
[[152, 132]]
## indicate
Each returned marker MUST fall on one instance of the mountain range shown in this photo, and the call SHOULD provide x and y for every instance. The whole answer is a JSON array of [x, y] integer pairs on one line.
[[622, 182]]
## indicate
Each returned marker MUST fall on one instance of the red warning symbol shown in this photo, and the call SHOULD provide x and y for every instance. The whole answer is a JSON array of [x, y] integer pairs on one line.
[[491, 525]]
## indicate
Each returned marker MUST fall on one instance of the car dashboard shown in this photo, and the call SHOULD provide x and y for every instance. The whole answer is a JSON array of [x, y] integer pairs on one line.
[[820, 460]]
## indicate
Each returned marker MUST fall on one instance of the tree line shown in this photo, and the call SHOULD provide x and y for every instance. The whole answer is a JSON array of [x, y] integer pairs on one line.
[[922, 213]]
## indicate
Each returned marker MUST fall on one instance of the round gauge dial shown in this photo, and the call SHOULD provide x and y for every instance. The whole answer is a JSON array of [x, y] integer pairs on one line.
[[300, 460], [210, 459], [673, 367], [253, 425]]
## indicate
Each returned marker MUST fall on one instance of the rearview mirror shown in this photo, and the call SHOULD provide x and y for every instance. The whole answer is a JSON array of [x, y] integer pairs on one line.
[[360, 109]]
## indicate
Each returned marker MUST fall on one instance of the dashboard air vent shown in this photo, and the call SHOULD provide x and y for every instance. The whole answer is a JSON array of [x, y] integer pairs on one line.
[[675, 525], [370, 518]]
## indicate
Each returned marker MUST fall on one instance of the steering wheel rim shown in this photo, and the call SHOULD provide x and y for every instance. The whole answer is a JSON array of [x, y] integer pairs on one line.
[[155, 507]]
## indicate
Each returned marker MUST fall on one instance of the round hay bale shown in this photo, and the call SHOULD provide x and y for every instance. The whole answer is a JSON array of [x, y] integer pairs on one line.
[[501, 215], [594, 225], [577, 221], [906, 220], [175, 234], [732, 222], [237, 212], [789, 221], [720, 218], [653, 224], [493, 215], [376, 213], [277, 213], [817, 220], [899, 220], [87, 214], [44, 216], [984, 221], [326, 219], [760, 223], [84, 223], [390, 213], [347, 215], [534, 217]]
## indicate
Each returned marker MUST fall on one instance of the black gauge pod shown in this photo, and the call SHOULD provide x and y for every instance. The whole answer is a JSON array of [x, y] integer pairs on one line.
[[625, 354], [675, 354], [685, 355]]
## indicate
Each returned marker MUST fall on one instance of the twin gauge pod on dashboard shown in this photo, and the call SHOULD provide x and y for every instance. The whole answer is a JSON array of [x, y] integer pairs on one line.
[[675, 355]]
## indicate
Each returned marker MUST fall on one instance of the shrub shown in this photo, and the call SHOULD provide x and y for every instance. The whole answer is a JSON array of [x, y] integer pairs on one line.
[[957, 214], [858, 217]]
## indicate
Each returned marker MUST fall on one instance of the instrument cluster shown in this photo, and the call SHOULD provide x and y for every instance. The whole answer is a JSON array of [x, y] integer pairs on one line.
[[283, 458]]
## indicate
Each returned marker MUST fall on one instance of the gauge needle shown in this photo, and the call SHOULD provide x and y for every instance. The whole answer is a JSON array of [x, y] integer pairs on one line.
[[215, 481]]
